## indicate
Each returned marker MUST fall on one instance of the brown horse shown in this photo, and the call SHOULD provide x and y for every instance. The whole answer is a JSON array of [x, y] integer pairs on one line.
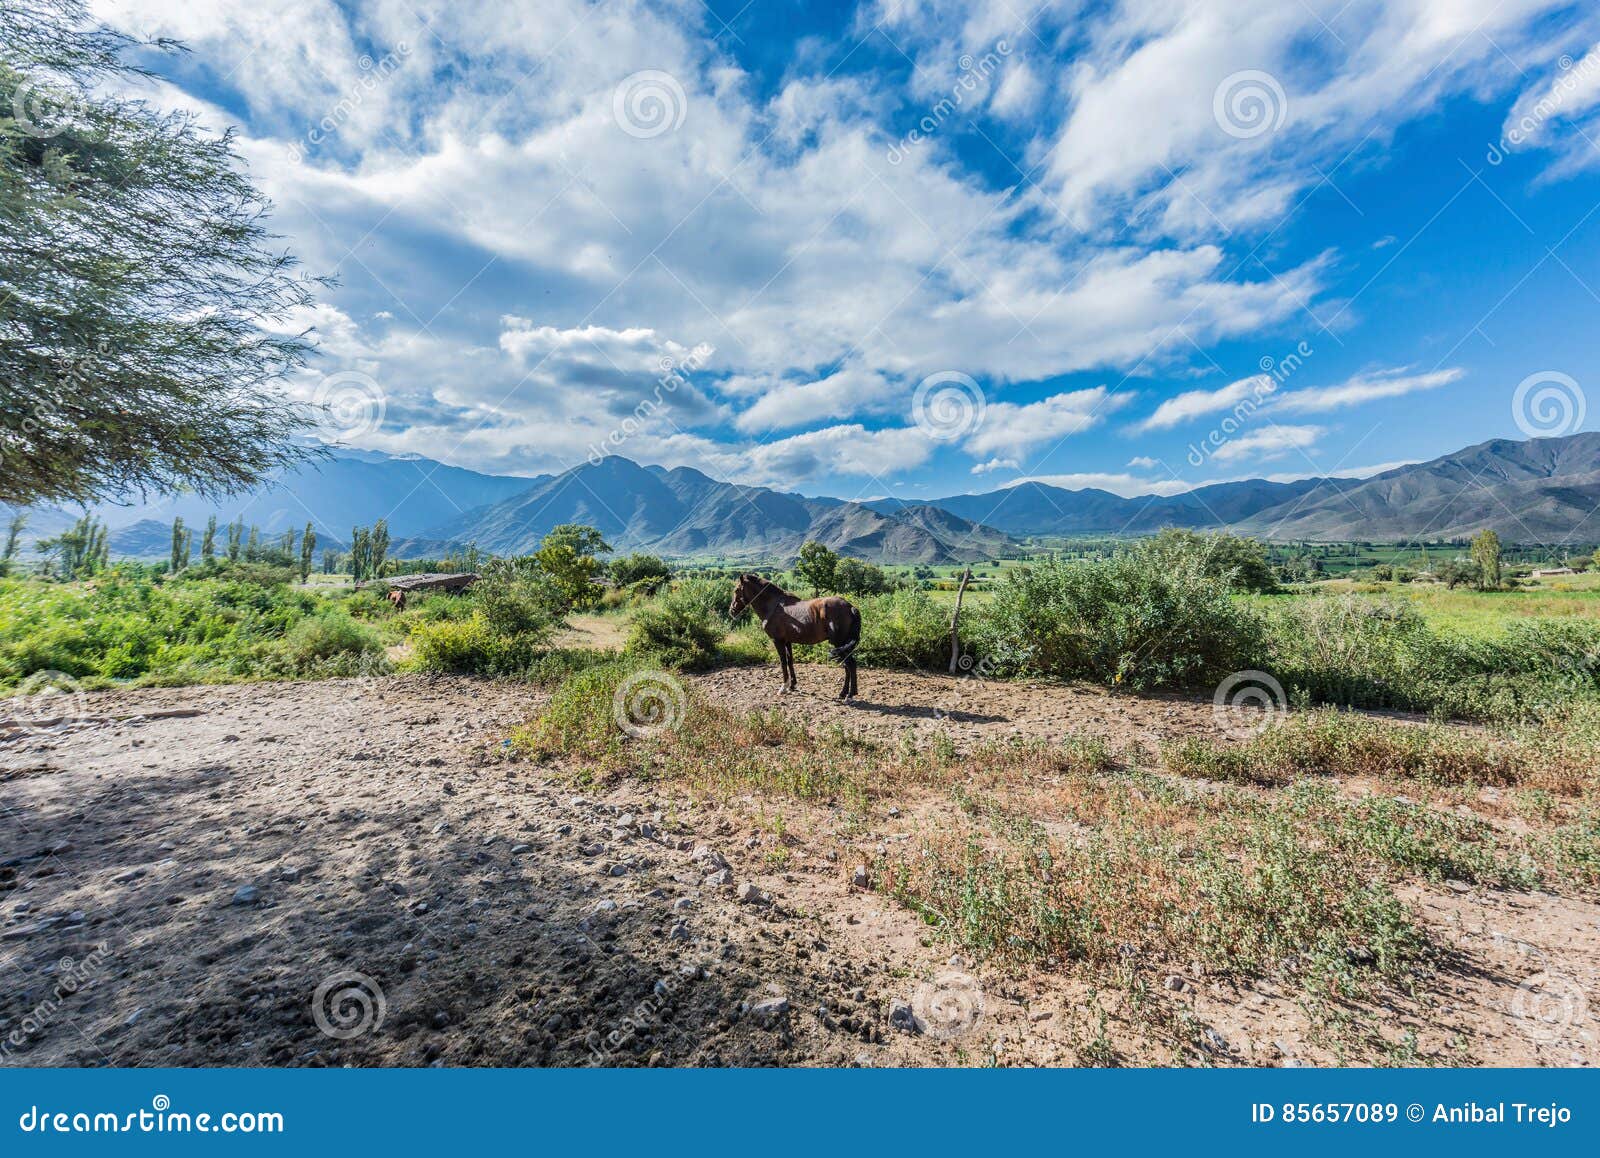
[[789, 620]]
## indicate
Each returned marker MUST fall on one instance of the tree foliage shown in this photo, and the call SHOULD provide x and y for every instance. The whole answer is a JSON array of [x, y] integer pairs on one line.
[[566, 556], [143, 306], [815, 567], [855, 577], [1486, 555], [648, 570], [82, 550], [1241, 563], [14, 528]]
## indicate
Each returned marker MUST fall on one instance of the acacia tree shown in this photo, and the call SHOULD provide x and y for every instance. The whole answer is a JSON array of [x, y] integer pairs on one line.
[[142, 303]]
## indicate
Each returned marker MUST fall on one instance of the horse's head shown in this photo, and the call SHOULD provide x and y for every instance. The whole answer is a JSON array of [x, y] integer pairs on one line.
[[745, 589]]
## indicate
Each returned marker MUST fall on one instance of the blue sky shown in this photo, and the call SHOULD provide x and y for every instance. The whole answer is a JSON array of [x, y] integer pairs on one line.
[[925, 248]]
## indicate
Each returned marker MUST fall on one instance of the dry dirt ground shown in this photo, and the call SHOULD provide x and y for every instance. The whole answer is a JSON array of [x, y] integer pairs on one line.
[[353, 872]]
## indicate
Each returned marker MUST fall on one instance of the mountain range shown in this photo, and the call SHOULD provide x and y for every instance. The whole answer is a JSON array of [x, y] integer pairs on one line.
[[1539, 491], [684, 512]]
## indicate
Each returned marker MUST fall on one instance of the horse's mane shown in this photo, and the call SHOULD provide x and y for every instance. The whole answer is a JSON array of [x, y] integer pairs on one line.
[[784, 597]]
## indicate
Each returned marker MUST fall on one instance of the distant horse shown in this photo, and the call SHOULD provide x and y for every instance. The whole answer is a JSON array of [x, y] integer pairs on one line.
[[789, 620], [397, 597]]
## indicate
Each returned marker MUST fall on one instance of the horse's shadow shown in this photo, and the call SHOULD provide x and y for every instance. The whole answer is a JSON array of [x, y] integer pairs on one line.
[[925, 711]]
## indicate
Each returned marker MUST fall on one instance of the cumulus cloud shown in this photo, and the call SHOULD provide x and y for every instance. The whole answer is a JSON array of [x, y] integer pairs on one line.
[[788, 404], [1011, 427], [531, 255], [848, 449]]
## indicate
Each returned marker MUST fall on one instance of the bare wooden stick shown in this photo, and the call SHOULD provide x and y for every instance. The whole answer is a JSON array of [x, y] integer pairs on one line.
[[955, 623]]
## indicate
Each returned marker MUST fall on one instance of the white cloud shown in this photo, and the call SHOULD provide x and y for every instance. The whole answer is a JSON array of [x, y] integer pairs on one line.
[[993, 465], [848, 449], [771, 226], [1018, 93], [1364, 388], [850, 390], [1007, 426], [1196, 403], [1143, 462], [1266, 444], [1262, 393], [1559, 112]]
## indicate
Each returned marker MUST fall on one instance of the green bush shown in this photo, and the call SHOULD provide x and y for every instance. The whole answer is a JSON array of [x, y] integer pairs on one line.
[[472, 646], [500, 628], [678, 629], [1118, 621], [1238, 563], [127, 626], [903, 629], [326, 636], [518, 600], [1381, 653], [708, 597]]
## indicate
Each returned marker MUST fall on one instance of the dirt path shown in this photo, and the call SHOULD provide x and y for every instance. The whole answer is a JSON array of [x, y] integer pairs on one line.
[[177, 890]]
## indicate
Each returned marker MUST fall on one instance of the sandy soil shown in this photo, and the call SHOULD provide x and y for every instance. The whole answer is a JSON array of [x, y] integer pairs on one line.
[[255, 882]]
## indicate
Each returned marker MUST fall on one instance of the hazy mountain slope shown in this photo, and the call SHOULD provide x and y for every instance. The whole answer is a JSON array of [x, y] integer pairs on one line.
[[1034, 508], [1542, 490], [684, 512]]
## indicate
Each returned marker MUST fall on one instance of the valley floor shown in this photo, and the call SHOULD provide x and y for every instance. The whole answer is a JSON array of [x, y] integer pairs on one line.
[[198, 875]]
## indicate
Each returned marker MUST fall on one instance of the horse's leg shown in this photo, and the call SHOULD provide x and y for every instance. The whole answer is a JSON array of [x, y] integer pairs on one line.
[[783, 667], [794, 677], [850, 669]]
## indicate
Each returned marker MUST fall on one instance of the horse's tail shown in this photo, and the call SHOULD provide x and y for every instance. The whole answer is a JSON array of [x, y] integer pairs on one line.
[[844, 650]]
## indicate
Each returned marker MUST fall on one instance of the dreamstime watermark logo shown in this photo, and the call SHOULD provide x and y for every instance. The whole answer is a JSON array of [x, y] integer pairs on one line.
[[44, 700], [70, 976], [373, 74], [1548, 404], [1248, 702], [1249, 103], [674, 375], [1548, 1005], [649, 103], [354, 402], [948, 405], [975, 72], [1274, 373], [969, 668], [348, 1005], [648, 703], [43, 110], [1574, 75], [951, 1005]]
